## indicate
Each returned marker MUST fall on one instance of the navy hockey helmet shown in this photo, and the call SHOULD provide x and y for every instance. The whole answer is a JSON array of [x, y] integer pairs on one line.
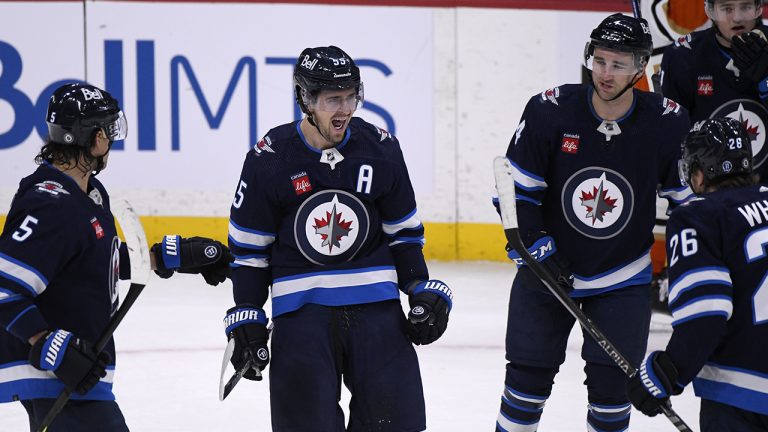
[[622, 33], [324, 68], [77, 111], [719, 147]]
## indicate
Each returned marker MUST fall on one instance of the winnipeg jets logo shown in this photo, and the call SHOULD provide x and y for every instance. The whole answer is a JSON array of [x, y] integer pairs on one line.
[[331, 226], [754, 117], [684, 41], [265, 145], [597, 202], [519, 131], [670, 106], [551, 95]]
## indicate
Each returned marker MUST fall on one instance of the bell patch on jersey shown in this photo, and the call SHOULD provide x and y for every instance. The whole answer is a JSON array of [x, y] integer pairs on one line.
[[754, 116], [331, 227], [705, 86], [551, 95], [51, 187], [301, 183], [97, 228], [570, 143], [597, 202]]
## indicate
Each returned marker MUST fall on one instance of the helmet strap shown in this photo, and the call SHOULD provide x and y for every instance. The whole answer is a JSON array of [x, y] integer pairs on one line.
[[627, 87]]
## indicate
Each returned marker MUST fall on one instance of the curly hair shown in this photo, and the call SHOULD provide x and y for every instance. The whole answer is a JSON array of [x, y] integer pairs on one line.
[[67, 155]]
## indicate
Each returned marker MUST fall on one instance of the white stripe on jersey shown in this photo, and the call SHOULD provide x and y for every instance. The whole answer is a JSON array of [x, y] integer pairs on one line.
[[410, 222], [21, 274], [615, 277], [252, 262], [252, 238], [527, 181], [27, 371], [676, 195], [743, 379], [704, 306], [333, 279], [696, 278]]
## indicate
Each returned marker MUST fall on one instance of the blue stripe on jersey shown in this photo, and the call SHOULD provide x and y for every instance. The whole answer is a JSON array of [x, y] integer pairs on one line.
[[677, 195], [7, 296], [698, 277], [637, 272], [702, 306], [507, 424], [743, 388], [22, 274], [249, 238], [335, 296], [411, 221], [526, 180], [519, 197], [22, 380], [10, 324], [398, 240]]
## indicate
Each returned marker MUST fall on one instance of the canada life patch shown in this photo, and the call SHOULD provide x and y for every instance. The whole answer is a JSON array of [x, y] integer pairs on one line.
[[97, 228], [570, 143], [705, 86], [301, 183]]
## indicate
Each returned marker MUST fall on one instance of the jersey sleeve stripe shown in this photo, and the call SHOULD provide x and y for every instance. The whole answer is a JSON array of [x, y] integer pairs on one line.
[[411, 221], [332, 279], [7, 297], [251, 261], [519, 197], [248, 238], [22, 274], [699, 277], [677, 195], [20, 314], [702, 306], [401, 240], [744, 388], [526, 180]]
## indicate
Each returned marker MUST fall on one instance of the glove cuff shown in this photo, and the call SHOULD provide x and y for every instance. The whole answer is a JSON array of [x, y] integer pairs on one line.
[[48, 353], [659, 375], [170, 252], [437, 287], [540, 250], [243, 314]]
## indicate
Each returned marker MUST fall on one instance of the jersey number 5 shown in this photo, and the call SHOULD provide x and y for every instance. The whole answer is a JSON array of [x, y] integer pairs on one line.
[[25, 230]]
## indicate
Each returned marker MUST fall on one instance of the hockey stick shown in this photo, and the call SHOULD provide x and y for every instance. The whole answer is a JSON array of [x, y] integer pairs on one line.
[[505, 185], [138, 252], [636, 8]]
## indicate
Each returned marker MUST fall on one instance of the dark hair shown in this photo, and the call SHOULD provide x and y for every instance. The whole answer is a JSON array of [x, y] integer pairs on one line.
[[732, 181], [67, 155]]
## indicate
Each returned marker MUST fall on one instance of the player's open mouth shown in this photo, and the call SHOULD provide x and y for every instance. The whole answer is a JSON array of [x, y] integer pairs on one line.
[[338, 124]]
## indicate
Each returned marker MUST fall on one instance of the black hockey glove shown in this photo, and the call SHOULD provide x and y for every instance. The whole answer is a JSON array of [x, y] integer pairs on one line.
[[653, 384], [750, 55], [430, 302], [543, 249], [197, 255], [71, 359], [247, 325]]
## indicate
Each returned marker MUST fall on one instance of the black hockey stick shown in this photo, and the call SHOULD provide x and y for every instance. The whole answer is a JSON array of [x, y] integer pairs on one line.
[[138, 252], [505, 185], [636, 9]]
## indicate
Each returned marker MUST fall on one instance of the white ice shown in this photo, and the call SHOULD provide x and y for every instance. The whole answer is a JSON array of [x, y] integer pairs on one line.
[[170, 347]]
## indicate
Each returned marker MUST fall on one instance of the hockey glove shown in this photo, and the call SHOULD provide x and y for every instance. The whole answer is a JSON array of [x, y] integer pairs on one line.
[[71, 359], [544, 250], [430, 302], [247, 325], [650, 388], [197, 255], [750, 55]]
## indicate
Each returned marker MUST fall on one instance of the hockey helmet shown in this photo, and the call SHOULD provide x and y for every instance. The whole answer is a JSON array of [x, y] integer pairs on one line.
[[719, 147], [325, 68], [621, 33], [77, 111]]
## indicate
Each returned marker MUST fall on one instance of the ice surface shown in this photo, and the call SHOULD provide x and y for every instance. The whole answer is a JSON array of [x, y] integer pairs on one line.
[[170, 347]]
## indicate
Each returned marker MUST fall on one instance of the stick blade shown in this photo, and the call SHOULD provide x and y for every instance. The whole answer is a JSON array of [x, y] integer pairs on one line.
[[135, 239], [505, 186]]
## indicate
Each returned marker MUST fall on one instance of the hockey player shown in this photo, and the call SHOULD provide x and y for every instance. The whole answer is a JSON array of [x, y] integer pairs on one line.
[[717, 248], [723, 71], [324, 212], [589, 161], [60, 259]]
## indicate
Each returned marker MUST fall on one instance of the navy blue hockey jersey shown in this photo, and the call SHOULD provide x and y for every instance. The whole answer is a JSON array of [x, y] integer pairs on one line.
[[695, 72], [59, 265], [333, 227], [718, 273], [596, 194]]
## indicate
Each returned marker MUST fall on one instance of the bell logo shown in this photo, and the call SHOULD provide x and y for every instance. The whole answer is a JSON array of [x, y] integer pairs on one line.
[[307, 63], [88, 94]]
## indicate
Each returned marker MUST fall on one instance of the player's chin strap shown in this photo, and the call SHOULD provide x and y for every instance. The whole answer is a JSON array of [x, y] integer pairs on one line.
[[627, 87]]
